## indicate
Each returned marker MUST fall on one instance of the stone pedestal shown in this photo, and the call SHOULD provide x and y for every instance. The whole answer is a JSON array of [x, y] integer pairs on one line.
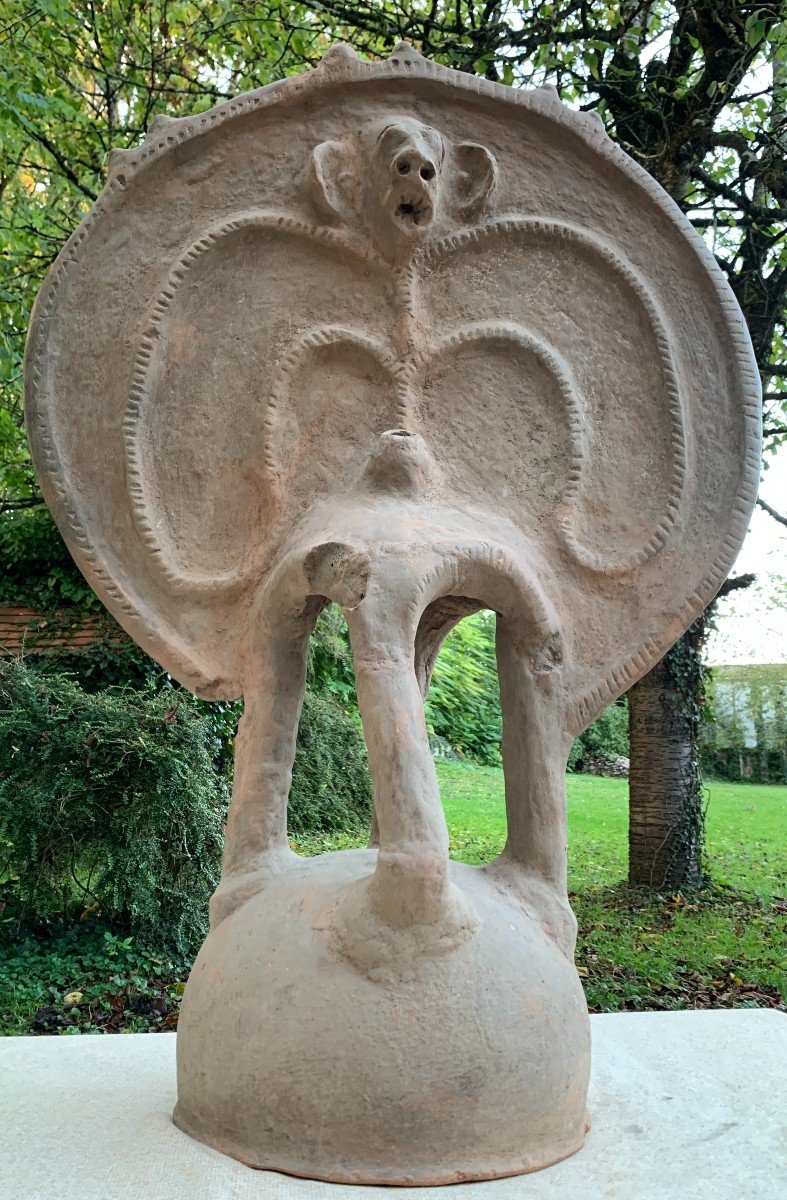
[[683, 1105]]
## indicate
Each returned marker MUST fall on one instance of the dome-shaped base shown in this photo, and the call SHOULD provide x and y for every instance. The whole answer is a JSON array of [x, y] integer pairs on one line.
[[421, 1066]]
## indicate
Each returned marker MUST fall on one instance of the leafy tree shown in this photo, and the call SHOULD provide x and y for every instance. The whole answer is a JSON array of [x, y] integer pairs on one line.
[[463, 704], [78, 79]]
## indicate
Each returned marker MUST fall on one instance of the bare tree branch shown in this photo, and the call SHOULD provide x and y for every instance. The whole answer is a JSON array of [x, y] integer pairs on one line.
[[777, 516], [735, 583]]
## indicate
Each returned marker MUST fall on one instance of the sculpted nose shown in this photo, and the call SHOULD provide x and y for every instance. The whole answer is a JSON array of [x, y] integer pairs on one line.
[[413, 162]]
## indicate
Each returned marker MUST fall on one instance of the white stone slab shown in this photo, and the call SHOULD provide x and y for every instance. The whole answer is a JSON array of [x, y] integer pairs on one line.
[[685, 1106]]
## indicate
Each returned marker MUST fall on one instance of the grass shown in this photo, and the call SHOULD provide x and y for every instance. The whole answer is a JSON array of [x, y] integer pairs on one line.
[[635, 951], [725, 948], [745, 827]]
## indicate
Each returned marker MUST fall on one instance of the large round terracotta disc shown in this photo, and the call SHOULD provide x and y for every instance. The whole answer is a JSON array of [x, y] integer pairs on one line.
[[226, 335]]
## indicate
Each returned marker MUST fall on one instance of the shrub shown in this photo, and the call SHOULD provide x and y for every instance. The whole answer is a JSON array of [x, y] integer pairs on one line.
[[110, 803], [607, 737], [463, 704], [37, 569], [331, 670], [574, 756], [331, 788]]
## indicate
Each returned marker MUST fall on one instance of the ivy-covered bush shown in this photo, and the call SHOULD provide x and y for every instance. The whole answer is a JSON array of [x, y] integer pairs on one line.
[[331, 788], [110, 804]]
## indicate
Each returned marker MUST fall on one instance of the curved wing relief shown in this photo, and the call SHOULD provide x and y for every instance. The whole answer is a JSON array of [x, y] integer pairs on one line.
[[615, 317], [558, 302], [166, 465], [535, 406]]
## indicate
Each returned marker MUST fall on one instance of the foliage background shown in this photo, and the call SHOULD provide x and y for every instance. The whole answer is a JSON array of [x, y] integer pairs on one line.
[[745, 733]]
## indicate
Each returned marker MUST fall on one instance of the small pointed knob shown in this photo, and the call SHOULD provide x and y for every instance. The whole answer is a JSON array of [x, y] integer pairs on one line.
[[402, 464]]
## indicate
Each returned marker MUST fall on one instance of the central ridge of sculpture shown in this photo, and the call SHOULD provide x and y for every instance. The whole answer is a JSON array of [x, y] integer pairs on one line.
[[415, 344]]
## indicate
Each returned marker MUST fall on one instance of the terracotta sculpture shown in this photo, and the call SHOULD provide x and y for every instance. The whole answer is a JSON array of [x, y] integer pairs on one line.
[[404, 340]]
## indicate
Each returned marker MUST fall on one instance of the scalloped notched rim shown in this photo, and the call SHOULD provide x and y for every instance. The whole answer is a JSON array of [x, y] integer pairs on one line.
[[341, 66]]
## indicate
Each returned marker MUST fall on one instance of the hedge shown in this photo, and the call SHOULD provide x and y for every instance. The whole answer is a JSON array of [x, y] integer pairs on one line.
[[112, 803]]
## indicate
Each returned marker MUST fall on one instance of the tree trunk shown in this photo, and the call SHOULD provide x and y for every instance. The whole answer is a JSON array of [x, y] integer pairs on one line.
[[666, 815]]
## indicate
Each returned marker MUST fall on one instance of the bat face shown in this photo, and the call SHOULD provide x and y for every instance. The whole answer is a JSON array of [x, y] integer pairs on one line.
[[263, 291], [405, 161], [395, 179]]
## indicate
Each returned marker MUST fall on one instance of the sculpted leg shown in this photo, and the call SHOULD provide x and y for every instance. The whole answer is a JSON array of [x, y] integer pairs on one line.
[[535, 752], [411, 881], [256, 843], [436, 623]]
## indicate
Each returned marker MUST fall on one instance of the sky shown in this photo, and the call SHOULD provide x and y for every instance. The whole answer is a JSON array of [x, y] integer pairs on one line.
[[752, 624]]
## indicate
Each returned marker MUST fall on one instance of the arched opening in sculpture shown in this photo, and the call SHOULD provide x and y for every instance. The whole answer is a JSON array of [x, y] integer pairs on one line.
[[461, 713], [459, 682], [329, 804]]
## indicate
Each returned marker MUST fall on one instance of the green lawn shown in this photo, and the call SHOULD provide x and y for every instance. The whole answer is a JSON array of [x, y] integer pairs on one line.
[[746, 826], [728, 948], [636, 952]]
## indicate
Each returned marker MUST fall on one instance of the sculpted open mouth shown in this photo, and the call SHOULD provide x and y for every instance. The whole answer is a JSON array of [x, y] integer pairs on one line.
[[412, 211]]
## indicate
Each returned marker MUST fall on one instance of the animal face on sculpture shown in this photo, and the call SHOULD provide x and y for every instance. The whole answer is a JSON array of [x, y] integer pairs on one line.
[[404, 178], [400, 178]]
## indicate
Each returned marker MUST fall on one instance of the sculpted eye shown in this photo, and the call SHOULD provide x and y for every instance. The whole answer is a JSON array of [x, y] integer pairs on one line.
[[385, 132], [427, 172], [403, 168]]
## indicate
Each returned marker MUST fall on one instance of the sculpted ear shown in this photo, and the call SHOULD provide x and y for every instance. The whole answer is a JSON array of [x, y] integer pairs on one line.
[[477, 175], [329, 170]]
